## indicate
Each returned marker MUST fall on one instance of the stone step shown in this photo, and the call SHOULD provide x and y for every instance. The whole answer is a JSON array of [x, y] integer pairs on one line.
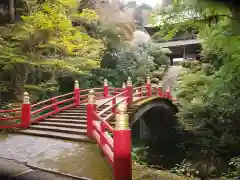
[[85, 106], [61, 124], [77, 111], [80, 121], [112, 124], [59, 129], [80, 117], [72, 113], [105, 113], [131, 111], [56, 135], [74, 110]]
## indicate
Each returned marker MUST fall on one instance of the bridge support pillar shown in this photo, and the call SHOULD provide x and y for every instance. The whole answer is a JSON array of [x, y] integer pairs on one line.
[[26, 110], [91, 107], [122, 144]]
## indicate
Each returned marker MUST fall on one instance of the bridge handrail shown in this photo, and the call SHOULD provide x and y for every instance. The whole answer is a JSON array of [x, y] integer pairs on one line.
[[51, 105], [111, 98], [10, 110], [100, 127], [55, 103], [104, 120], [9, 118], [138, 87], [105, 142], [115, 142], [51, 99], [112, 106], [10, 115]]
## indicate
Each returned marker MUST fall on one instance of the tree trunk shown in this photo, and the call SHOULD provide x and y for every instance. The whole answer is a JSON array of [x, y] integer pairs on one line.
[[11, 10], [236, 20], [20, 78]]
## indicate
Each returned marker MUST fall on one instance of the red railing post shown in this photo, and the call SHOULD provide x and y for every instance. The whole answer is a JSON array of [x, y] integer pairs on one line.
[[113, 105], [77, 93], [149, 87], [55, 106], [167, 93], [129, 91], [102, 139], [26, 110], [116, 91], [91, 107], [123, 86], [140, 91], [160, 92], [105, 88], [124, 89], [122, 144]]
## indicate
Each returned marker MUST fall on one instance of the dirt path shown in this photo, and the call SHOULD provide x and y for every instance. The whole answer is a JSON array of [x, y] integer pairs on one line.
[[170, 78]]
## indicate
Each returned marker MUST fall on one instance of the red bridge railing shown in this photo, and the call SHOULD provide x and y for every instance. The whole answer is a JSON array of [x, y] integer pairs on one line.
[[32, 113], [9, 117], [114, 140]]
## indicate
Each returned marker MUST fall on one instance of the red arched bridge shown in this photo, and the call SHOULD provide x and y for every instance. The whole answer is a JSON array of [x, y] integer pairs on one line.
[[91, 115]]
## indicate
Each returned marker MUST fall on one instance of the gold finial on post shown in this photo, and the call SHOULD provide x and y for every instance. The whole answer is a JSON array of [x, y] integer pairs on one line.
[[122, 118], [137, 91], [129, 81], [76, 84], [148, 80], [160, 84], [124, 85], [91, 97], [26, 99], [105, 82]]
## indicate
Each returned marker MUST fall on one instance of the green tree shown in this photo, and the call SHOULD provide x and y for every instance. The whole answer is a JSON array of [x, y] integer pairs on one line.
[[209, 100], [46, 37]]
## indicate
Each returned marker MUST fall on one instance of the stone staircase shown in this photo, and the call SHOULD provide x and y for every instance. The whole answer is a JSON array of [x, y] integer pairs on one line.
[[170, 79], [70, 124]]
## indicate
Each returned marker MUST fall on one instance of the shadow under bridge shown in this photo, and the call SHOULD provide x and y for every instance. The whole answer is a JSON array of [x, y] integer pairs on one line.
[[154, 121]]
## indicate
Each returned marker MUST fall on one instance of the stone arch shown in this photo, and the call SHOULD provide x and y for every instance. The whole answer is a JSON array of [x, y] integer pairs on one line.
[[154, 121], [152, 103]]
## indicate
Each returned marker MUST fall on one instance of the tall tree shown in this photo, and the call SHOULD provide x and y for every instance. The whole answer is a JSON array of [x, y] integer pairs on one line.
[[12, 10], [46, 37]]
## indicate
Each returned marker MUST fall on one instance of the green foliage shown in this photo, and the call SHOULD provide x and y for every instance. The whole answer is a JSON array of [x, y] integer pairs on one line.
[[46, 39], [193, 85], [185, 169], [190, 63], [235, 164], [135, 61], [139, 155], [209, 91], [208, 110]]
